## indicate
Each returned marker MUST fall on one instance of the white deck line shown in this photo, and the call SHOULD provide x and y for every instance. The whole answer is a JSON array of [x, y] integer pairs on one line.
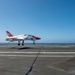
[[38, 56], [55, 54], [41, 52]]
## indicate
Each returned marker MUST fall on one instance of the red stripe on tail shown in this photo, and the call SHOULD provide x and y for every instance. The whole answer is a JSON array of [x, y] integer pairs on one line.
[[9, 34]]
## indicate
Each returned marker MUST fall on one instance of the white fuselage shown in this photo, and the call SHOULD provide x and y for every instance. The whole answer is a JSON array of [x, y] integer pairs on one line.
[[20, 38]]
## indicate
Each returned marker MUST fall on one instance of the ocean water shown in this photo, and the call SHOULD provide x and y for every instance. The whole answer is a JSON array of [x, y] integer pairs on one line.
[[51, 44]]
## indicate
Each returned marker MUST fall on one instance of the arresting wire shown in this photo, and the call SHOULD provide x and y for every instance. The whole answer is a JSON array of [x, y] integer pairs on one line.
[[29, 72]]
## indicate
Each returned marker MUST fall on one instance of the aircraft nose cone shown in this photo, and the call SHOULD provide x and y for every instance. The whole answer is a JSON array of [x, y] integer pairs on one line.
[[37, 38]]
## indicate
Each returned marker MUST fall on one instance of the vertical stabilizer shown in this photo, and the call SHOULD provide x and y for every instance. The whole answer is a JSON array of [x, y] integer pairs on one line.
[[9, 34]]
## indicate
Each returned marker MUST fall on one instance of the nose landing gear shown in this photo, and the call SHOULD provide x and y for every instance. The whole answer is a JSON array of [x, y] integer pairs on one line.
[[33, 42]]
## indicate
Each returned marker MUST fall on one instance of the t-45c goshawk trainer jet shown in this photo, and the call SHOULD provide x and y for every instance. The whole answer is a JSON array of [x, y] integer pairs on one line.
[[20, 38]]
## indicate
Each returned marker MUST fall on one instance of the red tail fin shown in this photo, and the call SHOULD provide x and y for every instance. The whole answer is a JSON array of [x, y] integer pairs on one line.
[[9, 34]]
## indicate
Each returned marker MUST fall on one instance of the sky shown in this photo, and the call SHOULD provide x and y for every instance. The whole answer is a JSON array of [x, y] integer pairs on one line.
[[52, 20]]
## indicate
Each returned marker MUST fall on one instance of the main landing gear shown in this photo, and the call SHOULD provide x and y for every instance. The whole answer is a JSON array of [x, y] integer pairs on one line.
[[19, 43], [22, 42]]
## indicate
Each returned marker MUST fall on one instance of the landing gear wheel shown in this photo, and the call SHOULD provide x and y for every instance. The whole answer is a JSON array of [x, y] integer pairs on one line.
[[22, 43], [33, 42], [18, 44]]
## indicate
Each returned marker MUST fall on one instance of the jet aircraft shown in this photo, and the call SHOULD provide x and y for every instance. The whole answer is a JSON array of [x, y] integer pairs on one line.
[[19, 38]]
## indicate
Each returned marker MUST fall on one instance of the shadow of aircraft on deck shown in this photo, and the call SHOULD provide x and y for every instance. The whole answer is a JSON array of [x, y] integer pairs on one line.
[[25, 48], [21, 48]]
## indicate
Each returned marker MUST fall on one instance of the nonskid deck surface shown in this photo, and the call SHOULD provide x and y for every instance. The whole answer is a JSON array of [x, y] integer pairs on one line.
[[54, 60]]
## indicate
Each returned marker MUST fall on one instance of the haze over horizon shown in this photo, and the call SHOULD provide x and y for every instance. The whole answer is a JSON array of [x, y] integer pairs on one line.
[[52, 20]]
